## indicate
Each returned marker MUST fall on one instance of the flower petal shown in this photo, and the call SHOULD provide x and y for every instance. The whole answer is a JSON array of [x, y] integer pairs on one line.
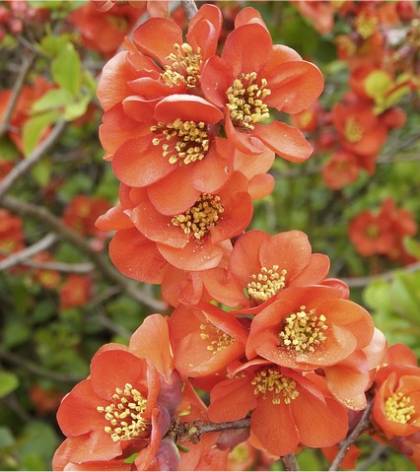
[[216, 78], [136, 257], [139, 163], [238, 53], [187, 108], [286, 141]]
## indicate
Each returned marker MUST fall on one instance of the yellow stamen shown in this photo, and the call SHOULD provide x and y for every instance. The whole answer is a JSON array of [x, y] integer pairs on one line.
[[204, 215], [184, 66], [217, 340], [125, 414], [303, 331], [182, 141], [266, 283], [353, 130], [269, 381], [398, 408], [366, 25], [246, 100]]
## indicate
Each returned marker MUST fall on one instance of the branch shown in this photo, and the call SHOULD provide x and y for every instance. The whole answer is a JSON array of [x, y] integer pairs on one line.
[[190, 8], [18, 257], [36, 369], [352, 437], [290, 462], [14, 97], [26, 164], [375, 455], [63, 267], [194, 430], [386, 276], [101, 263]]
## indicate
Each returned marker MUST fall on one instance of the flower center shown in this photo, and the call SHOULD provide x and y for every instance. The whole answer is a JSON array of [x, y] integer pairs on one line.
[[246, 100], [182, 141], [270, 381], [201, 217], [184, 66], [353, 131], [266, 283], [217, 340], [366, 25], [398, 408], [303, 331], [125, 414], [372, 231]]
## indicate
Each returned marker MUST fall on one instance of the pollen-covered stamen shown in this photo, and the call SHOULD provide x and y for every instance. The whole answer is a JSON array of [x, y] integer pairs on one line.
[[269, 381], [303, 331], [398, 408], [353, 130], [203, 215], [266, 283], [184, 66], [182, 141], [217, 340], [246, 100], [125, 414]]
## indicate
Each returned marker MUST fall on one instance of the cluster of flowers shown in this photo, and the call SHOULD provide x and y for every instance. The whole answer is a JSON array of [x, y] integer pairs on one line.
[[383, 232], [258, 326], [380, 54], [15, 15], [80, 215]]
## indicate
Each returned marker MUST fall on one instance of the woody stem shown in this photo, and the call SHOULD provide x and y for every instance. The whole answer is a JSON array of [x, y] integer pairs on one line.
[[352, 437], [190, 8]]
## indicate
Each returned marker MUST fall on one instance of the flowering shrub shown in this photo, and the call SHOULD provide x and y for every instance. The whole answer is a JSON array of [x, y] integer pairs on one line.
[[255, 353]]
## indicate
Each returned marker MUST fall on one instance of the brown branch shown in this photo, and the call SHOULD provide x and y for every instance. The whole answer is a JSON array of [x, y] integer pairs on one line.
[[290, 462], [63, 267], [352, 437], [26, 164], [101, 263], [19, 257], [15, 94], [190, 8], [385, 276], [194, 430], [375, 455], [36, 369]]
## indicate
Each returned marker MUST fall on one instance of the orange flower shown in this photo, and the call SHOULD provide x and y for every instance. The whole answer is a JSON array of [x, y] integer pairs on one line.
[[264, 265], [45, 400], [342, 169], [75, 291], [205, 340], [370, 234], [176, 143], [246, 82], [11, 234], [361, 132], [396, 408], [288, 408], [82, 212], [189, 232], [125, 405], [103, 30], [315, 328], [160, 62]]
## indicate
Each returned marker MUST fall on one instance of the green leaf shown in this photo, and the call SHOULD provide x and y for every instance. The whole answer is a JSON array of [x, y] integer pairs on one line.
[[76, 109], [6, 437], [55, 98], [412, 247], [8, 383], [66, 69], [42, 172], [34, 128], [52, 45], [377, 83]]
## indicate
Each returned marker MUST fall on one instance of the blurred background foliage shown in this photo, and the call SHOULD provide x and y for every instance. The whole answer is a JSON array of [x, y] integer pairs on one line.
[[45, 348]]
